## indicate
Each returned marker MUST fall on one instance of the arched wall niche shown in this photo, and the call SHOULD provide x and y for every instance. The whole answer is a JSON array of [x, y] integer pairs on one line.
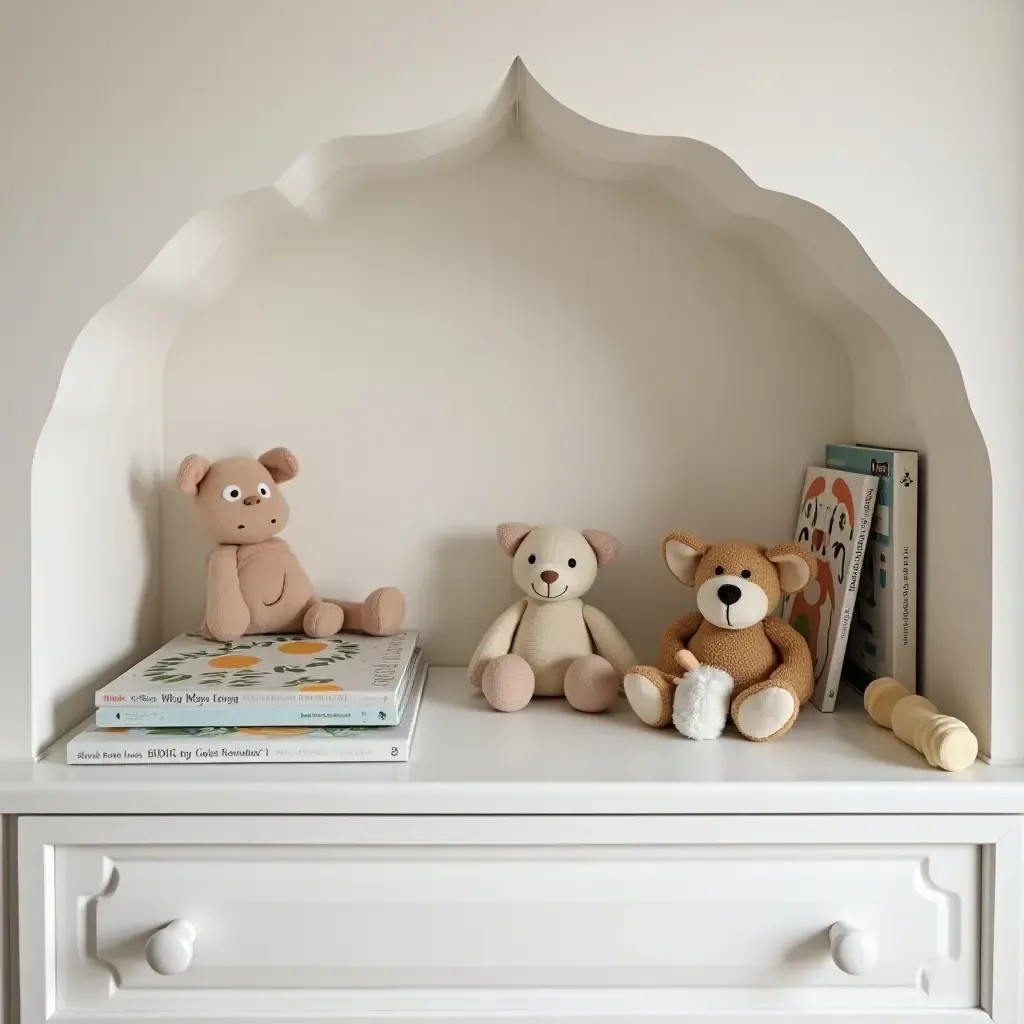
[[398, 308]]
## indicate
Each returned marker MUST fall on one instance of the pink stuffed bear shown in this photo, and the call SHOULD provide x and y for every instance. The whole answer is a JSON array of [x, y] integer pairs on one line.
[[254, 582]]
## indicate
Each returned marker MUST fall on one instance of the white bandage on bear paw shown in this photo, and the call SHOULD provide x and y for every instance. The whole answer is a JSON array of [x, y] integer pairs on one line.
[[700, 708]]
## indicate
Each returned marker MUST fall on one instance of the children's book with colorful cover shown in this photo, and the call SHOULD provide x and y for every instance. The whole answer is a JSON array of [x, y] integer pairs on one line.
[[174, 715], [883, 635], [224, 745], [348, 669], [833, 523]]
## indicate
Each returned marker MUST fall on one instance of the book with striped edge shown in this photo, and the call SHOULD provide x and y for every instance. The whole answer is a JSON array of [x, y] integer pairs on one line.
[[91, 745]]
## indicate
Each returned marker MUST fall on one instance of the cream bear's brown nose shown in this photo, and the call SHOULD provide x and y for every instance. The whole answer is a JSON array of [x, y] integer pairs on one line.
[[253, 499], [549, 576]]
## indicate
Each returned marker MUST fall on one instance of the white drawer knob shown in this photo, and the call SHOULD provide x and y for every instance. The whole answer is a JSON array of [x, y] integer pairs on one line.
[[169, 950], [853, 951]]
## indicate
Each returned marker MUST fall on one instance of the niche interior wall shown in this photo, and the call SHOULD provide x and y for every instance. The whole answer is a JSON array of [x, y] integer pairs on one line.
[[516, 313]]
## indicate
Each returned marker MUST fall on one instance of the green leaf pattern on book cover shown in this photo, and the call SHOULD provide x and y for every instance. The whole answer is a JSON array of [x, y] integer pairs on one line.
[[177, 668]]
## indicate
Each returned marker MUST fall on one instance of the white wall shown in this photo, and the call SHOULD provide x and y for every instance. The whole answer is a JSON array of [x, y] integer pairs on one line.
[[504, 342], [901, 118]]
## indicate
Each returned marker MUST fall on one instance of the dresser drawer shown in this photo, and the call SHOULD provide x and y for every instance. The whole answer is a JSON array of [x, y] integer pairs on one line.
[[364, 918]]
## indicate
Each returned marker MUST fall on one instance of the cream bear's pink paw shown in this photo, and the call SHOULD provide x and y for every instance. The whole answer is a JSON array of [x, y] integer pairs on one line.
[[591, 684], [508, 683]]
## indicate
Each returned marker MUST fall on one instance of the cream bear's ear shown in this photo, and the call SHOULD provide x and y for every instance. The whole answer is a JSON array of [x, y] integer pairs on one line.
[[796, 566], [605, 546], [511, 535], [281, 464], [682, 553], [190, 474]]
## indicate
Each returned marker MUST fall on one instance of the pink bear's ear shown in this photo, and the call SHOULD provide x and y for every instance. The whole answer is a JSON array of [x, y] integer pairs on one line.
[[281, 464], [511, 535], [190, 473], [605, 546]]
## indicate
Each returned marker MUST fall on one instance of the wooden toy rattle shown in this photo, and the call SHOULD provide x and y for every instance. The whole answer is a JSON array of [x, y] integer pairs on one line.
[[945, 742]]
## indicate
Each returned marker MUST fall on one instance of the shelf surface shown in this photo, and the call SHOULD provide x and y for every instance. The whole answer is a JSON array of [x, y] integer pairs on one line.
[[546, 759]]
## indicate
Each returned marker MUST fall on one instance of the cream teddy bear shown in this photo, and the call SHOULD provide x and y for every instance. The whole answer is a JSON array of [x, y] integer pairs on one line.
[[550, 643]]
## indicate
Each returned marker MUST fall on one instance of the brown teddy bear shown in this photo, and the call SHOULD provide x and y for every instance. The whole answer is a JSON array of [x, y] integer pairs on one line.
[[738, 585], [254, 582]]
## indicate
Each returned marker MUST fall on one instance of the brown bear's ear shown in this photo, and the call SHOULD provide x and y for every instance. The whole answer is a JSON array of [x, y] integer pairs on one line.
[[190, 473], [283, 466], [605, 546], [511, 535], [796, 566], [682, 553]]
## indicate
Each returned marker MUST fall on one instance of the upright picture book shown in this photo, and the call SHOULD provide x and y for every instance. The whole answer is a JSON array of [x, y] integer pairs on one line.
[[883, 635], [833, 523]]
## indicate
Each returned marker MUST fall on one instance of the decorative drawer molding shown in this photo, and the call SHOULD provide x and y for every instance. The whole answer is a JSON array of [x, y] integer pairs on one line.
[[370, 918]]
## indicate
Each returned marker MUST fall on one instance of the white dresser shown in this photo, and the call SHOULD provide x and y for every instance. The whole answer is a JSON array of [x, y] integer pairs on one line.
[[634, 278], [540, 866]]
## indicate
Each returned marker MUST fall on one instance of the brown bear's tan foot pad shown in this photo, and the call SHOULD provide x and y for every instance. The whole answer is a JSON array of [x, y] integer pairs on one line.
[[323, 619], [508, 683], [591, 684], [383, 612], [765, 714], [649, 695]]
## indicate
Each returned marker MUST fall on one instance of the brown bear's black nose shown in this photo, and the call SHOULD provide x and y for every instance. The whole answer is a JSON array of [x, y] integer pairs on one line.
[[549, 576], [253, 499], [729, 593]]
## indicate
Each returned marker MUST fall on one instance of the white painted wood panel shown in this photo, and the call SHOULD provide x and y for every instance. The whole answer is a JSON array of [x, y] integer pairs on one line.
[[548, 759], [348, 918]]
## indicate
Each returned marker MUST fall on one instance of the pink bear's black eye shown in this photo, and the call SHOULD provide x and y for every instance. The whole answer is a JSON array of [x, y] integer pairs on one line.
[[532, 559]]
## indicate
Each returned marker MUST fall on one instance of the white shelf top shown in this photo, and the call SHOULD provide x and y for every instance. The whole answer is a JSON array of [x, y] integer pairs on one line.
[[546, 759]]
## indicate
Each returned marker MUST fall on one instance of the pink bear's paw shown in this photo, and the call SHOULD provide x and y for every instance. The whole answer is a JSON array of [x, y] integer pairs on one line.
[[591, 684], [322, 619], [508, 683], [226, 620], [383, 612]]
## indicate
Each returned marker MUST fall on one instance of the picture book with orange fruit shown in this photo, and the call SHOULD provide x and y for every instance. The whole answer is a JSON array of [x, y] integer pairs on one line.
[[833, 521], [271, 679], [91, 745]]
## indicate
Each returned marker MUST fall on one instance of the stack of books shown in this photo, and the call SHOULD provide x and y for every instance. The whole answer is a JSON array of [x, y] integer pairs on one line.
[[261, 698]]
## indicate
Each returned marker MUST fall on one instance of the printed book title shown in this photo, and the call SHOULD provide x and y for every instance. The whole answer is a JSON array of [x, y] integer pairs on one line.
[[384, 671], [198, 698], [869, 502]]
